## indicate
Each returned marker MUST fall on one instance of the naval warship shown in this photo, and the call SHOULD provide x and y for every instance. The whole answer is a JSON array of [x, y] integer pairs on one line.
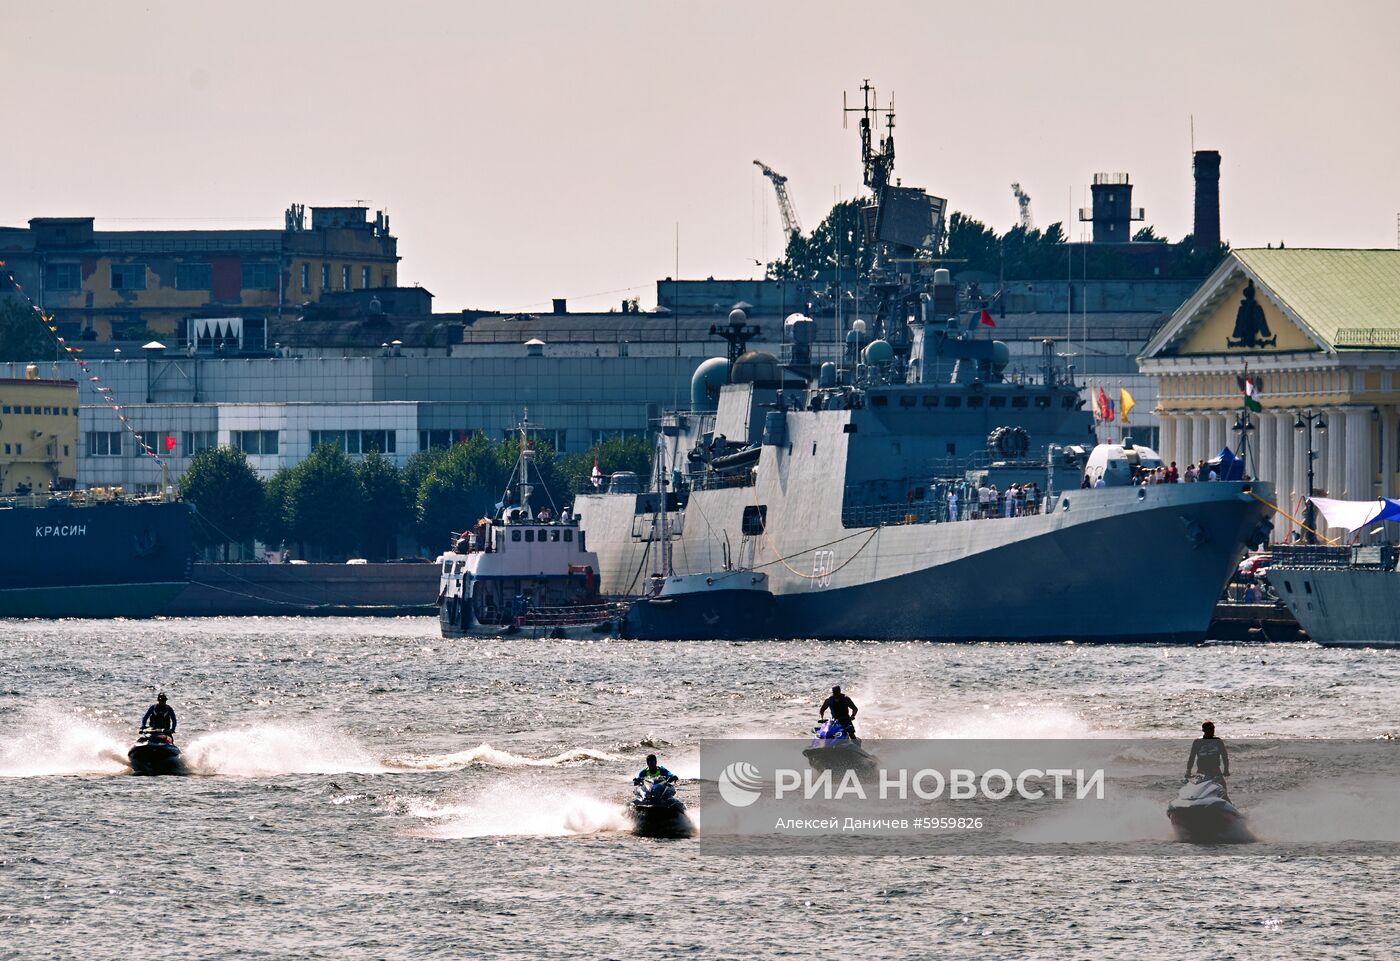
[[850, 476]]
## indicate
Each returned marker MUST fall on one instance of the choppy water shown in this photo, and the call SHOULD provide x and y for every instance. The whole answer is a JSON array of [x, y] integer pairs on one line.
[[369, 790]]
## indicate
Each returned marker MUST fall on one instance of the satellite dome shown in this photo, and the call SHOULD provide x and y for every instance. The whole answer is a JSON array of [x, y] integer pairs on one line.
[[737, 316], [879, 352], [757, 367]]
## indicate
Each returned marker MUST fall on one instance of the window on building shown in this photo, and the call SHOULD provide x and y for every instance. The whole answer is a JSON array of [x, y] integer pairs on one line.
[[386, 279], [128, 276], [364, 277], [193, 276], [7, 448], [28, 409], [305, 278], [357, 441], [259, 275], [195, 441], [104, 443], [599, 436], [345, 278], [5, 409], [325, 277], [255, 442], [62, 277], [434, 439], [554, 438]]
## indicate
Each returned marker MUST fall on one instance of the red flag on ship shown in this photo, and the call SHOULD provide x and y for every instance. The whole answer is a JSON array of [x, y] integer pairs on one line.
[[987, 318], [169, 443]]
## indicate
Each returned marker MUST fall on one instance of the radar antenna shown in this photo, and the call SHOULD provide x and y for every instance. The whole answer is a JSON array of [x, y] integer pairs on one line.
[[878, 162]]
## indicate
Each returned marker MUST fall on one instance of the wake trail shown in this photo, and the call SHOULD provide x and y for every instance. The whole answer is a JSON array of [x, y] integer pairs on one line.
[[484, 755], [517, 809]]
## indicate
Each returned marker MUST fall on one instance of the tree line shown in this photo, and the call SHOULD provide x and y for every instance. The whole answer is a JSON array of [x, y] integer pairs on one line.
[[331, 506], [836, 250]]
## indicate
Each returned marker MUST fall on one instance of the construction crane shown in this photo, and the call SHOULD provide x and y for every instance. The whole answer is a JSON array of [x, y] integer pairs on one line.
[[1023, 200], [791, 225]]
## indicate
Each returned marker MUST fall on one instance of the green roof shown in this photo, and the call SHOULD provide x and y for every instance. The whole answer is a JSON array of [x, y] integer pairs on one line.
[[1347, 298]]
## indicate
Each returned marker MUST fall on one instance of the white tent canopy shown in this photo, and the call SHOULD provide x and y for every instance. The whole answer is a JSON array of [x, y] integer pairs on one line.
[[1351, 515]]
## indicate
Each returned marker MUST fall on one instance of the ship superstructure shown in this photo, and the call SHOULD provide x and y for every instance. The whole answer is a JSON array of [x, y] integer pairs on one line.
[[904, 483]]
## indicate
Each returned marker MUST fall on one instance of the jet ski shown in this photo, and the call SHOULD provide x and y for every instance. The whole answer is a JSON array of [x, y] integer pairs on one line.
[[1203, 814], [832, 749], [155, 752], [656, 811]]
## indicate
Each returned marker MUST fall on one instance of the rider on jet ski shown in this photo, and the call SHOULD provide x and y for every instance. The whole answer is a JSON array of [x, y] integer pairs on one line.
[[653, 770], [843, 711], [159, 717], [1209, 756]]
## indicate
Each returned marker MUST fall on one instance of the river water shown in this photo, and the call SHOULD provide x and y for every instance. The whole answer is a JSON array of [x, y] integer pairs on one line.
[[369, 790]]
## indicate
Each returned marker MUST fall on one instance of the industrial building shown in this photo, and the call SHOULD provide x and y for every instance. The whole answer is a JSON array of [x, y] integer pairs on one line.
[[38, 433], [102, 285]]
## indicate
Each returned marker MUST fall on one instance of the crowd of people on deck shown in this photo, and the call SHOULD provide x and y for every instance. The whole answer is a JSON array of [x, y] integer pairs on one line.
[[1141, 477]]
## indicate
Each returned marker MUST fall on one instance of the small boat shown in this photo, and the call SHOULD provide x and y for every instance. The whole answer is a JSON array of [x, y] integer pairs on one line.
[[155, 752], [656, 811], [832, 749], [717, 605], [522, 571], [1203, 813]]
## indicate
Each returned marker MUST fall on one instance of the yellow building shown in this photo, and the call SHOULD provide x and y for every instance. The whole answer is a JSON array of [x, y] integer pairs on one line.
[[1319, 333], [125, 284], [38, 434]]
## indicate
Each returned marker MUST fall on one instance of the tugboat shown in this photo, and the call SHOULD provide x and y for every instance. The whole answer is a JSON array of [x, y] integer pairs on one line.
[[519, 573]]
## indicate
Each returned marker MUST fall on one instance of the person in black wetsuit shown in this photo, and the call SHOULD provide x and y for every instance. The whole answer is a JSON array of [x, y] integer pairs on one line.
[[159, 717], [843, 711], [1209, 756]]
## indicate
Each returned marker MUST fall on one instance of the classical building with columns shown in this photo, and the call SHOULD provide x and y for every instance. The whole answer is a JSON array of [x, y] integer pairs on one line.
[[1319, 333]]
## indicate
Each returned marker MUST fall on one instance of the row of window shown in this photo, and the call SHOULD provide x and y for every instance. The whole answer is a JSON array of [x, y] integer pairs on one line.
[[357, 441], [346, 273], [33, 409], [19, 450], [189, 275], [262, 443]]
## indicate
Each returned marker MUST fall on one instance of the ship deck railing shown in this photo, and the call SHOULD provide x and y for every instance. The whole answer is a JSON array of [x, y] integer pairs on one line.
[[82, 498], [1381, 557], [936, 510], [570, 616]]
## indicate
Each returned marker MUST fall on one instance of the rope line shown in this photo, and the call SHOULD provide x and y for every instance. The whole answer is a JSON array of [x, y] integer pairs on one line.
[[1295, 520]]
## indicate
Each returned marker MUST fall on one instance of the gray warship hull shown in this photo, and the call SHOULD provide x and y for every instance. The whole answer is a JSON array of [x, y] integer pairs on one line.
[[1339, 601], [1125, 564]]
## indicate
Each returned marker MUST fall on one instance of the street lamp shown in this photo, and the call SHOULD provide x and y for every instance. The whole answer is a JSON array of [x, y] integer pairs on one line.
[[1243, 426], [1309, 422]]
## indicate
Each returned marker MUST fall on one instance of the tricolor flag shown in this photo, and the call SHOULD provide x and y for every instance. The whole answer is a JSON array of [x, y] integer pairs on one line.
[[1250, 392], [597, 475], [1104, 407]]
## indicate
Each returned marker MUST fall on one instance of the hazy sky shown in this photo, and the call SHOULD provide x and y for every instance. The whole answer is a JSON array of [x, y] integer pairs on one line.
[[526, 150]]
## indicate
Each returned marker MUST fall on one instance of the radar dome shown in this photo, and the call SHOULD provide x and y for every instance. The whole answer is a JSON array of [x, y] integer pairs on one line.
[[858, 326], [1001, 355], [705, 383], [757, 367], [879, 352], [737, 317]]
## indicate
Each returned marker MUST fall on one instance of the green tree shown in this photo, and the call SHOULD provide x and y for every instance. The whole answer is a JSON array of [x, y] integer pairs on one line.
[[460, 487], [385, 505], [614, 454], [272, 524], [22, 332], [839, 237], [227, 497], [325, 507]]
